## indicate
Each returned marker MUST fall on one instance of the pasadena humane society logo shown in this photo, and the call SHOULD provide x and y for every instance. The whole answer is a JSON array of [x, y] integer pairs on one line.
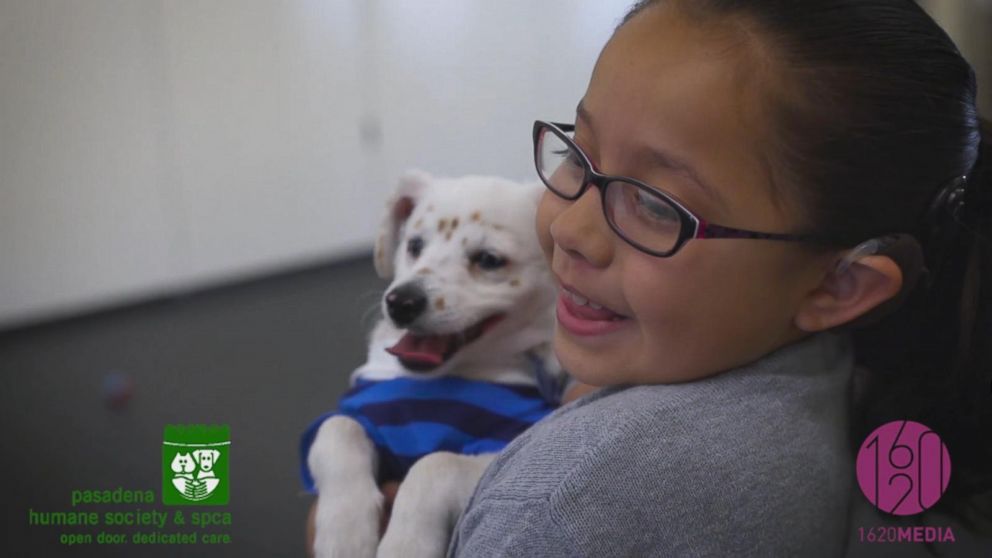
[[195, 464]]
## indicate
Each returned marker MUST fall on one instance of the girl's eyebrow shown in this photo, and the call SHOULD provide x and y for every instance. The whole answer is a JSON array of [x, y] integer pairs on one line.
[[659, 159], [664, 160]]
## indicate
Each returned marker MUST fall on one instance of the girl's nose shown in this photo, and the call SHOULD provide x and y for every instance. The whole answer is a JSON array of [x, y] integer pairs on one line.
[[581, 230]]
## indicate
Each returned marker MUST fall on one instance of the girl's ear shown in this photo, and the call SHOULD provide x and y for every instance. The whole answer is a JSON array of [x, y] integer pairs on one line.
[[408, 194], [850, 292]]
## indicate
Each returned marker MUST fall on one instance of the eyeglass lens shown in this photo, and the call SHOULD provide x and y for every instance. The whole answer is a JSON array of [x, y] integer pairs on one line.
[[638, 214]]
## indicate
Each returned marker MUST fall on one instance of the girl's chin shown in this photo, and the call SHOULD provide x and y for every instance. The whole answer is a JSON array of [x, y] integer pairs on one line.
[[589, 365]]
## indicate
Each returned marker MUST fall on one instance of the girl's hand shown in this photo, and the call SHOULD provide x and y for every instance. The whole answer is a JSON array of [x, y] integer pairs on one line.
[[388, 489], [577, 390]]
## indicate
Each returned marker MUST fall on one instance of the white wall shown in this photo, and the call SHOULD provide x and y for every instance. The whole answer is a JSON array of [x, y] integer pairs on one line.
[[969, 23], [151, 146]]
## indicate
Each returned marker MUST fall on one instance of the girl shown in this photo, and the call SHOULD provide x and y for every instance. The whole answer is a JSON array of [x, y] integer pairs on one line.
[[779, 174]]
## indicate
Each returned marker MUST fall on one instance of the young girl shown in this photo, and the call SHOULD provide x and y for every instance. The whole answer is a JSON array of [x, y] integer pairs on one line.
[[780, 173]]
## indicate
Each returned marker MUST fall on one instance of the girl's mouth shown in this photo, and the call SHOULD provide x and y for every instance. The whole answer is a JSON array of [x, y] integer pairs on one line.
[[579, 316]]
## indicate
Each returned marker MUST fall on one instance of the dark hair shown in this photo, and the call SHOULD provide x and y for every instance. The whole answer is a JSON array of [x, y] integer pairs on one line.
[[878, 117]]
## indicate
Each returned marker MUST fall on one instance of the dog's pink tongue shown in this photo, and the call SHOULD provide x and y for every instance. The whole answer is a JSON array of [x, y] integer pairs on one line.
[[427, 350]]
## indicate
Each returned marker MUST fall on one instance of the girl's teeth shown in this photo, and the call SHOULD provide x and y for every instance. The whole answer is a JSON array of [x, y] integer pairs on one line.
[[582, 301]]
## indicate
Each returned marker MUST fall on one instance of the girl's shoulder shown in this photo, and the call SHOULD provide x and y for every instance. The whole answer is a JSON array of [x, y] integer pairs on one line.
[[784, 413], [744, 465]]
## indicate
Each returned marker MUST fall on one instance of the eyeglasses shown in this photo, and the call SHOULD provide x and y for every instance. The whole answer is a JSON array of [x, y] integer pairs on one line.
[[648, 219]]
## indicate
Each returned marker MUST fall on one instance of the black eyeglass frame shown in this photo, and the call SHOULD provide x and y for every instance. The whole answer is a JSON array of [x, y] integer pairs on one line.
[[691, 225]]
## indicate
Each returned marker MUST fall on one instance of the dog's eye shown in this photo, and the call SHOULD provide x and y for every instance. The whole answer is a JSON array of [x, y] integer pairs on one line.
[[414, 246], [487, 260]]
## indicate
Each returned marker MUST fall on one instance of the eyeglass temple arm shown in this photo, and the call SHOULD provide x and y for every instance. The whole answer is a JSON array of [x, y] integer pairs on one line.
[[709, 230]]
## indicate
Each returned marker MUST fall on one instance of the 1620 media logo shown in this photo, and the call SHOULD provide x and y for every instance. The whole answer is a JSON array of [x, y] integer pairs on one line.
[[903, 467]]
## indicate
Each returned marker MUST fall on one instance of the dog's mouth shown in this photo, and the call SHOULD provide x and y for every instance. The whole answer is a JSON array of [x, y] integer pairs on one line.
[[423, 353]]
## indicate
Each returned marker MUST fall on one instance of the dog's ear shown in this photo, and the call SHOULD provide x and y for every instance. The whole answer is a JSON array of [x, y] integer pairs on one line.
[[412, 185], [537, 190]]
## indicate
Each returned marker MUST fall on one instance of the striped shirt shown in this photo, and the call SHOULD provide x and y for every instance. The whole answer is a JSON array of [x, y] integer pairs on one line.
[[408, 418]]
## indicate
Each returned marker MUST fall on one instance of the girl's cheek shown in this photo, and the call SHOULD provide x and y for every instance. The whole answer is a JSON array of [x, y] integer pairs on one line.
[[546, 212]]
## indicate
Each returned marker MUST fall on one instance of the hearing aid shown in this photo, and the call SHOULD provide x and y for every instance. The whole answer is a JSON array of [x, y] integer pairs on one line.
[[903, 249]]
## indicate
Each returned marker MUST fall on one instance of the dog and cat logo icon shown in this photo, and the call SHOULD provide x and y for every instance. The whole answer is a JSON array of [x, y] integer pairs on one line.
[[195, 461]]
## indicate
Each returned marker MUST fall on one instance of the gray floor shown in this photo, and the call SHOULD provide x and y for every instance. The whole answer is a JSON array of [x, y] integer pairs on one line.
[[265, 358]]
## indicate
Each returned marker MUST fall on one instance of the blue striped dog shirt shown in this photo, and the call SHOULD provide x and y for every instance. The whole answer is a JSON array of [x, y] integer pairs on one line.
[[408, 418]]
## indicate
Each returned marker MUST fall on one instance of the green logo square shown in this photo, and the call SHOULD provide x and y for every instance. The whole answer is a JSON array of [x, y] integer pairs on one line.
[[195, 461]]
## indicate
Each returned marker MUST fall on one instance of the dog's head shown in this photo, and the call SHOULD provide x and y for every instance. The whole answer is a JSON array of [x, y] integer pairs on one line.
[[465, 263], [183, 463], [206, 458]]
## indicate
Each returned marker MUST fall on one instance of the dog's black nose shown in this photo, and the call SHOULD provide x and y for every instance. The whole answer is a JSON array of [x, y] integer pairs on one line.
[[405, 304]]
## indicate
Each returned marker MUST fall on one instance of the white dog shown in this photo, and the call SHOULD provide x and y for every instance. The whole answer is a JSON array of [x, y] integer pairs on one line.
[[461, 364]]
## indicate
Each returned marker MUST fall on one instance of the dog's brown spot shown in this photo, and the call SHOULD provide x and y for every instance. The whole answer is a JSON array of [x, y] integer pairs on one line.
[[439, 303], [418, 223], [514, 282], [476, 216], [425, 271], [454, 223], [442, 224], [497, 227], [448, 236]]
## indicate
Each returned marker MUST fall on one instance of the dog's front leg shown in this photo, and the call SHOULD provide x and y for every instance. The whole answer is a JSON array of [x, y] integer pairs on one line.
[[343, 462], [429, 503]]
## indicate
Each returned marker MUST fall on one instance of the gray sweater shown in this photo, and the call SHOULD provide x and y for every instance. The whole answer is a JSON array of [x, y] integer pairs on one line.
[[752, 461]]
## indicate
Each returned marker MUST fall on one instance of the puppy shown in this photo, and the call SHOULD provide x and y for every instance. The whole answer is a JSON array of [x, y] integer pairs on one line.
[[460, 364]]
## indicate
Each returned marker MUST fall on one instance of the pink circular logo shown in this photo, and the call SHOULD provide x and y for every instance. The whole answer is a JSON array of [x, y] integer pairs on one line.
[[903, 467]]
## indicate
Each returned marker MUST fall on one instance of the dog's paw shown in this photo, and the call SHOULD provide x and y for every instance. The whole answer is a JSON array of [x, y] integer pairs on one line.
[[421, 545], [349, 507], [347, 525], [428, 505], [426, 537]]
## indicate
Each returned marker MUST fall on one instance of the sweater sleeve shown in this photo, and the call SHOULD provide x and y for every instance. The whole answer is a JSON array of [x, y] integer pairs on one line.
[[754, 463], [651, 493], [511, 528]]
